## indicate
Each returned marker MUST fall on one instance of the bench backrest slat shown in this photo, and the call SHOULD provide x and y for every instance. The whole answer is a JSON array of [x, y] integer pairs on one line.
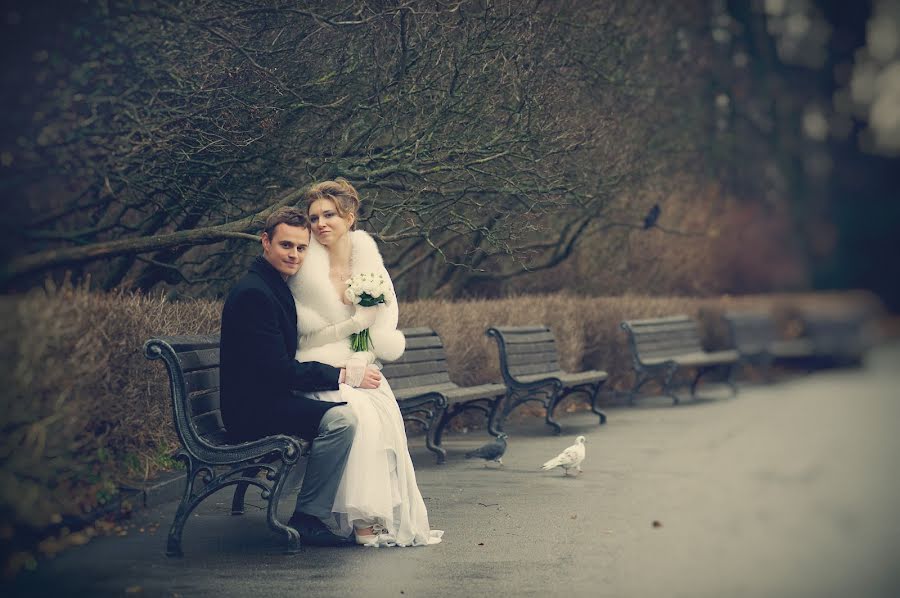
[[209, 426], [202, 391], [200, 380], [193, 365], [204, 402], [424, 363], [751, 332], [661, 338], [526, 350], [198, 360]]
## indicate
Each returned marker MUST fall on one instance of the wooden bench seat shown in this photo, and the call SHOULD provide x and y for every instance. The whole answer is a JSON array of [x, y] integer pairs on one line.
[[529, 364], [661, 346]]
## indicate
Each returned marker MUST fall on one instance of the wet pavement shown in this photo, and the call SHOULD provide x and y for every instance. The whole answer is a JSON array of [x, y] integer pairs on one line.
[[790, 489]]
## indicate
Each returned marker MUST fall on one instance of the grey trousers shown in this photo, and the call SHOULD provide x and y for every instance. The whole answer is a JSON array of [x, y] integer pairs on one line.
[[326, 462]]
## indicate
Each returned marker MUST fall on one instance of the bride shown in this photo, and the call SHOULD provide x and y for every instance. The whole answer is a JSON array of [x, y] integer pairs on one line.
[[378, 499]]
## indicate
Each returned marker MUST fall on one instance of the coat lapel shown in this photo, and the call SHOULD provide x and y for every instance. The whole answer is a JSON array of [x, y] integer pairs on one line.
[[279, 287]]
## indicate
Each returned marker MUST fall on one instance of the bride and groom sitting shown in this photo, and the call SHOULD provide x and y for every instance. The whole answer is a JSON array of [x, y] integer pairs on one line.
[[287, 367]]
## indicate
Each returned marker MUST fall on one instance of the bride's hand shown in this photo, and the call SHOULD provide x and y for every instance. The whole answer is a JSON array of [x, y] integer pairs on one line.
[[372, 378], [360, 373], [363, 317]]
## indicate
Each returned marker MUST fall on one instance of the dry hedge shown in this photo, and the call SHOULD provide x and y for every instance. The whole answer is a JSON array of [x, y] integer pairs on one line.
[[83, 411]]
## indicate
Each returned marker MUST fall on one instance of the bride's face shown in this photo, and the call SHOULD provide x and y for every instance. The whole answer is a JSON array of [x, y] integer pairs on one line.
[[327, 225]]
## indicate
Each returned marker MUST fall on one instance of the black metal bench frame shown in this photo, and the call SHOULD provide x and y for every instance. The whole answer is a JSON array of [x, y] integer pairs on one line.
[[192, 363], [529, 364], [421, 382], [662, 346]]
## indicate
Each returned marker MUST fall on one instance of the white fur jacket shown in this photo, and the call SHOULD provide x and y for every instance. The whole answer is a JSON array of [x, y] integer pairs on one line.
[[318, 304]]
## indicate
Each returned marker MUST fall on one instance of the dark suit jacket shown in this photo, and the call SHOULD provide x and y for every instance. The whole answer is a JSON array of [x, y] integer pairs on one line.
[[257, 366]]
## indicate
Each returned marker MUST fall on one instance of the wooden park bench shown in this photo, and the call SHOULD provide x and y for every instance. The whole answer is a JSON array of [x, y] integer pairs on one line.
[[192, 363], [837, 338], [755, 337], [421, 382], [529, 364], [662, 346]]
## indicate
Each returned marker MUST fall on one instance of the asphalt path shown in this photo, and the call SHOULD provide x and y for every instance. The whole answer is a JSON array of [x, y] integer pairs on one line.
[[791, 489]]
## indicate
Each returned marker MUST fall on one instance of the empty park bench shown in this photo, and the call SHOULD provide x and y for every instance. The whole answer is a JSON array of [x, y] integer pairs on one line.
[[192, 363], [662, 346], [421, 382], [755, 337], [529, 364], [837, 338]]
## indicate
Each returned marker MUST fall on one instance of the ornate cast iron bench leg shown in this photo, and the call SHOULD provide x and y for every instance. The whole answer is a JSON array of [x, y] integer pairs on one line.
[[496, 408], [279, 476], [240, 490], [553, 399], [428, 412], [434, 445], [729, 377], [187, 504], [667, 383], [700, 371], [640, 379], [595, 394]]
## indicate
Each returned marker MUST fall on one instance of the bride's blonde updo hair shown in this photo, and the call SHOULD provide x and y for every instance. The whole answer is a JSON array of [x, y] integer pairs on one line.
[[341, 192]]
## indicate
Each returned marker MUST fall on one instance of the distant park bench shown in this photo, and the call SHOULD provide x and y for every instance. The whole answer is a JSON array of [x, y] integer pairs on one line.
[[529, 364], [755, 337], [838, 338], [662, 346], [421, 382], [192, 363]]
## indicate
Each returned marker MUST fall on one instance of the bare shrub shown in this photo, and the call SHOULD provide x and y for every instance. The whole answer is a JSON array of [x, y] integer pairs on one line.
[[83, 410]]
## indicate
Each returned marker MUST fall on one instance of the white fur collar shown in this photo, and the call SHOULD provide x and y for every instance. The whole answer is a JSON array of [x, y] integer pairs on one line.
[[312, 295]]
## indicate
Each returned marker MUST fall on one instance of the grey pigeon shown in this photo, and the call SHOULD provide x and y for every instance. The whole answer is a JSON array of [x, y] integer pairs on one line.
[[492, 451]]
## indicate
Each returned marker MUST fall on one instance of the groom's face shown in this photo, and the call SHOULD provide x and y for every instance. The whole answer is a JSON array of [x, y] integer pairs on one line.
[[286, 248]]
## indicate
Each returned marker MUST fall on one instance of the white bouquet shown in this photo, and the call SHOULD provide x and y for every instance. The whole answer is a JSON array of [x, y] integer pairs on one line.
[[367, 290]]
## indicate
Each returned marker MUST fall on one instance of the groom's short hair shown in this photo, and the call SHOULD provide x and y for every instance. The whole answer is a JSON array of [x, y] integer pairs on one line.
[[285, 215]]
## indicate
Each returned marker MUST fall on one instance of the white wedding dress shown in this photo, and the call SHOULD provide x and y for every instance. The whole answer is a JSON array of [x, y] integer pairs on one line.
[[379, 483]]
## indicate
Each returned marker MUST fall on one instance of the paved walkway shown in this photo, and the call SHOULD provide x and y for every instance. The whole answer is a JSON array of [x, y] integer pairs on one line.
[[788, 490]]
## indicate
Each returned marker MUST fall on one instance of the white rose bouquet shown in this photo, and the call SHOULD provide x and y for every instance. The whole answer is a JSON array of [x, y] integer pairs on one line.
[[367, 290]]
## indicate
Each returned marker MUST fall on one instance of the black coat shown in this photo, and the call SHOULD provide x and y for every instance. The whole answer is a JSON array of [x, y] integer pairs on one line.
[[258, 371]]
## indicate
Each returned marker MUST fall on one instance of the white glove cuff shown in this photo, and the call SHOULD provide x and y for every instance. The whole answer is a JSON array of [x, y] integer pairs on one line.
[[355, 371]]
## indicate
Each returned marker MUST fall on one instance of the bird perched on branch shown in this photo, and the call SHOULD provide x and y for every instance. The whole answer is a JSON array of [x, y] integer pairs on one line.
[[492, 451], [652, 216], [570, 458]]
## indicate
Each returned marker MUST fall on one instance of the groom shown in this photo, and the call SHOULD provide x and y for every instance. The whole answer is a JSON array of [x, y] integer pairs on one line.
[[259, 374]]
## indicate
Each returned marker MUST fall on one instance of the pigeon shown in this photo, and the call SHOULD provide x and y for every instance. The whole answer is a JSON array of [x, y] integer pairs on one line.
[[570, 458], [652, 216], [492, 451]]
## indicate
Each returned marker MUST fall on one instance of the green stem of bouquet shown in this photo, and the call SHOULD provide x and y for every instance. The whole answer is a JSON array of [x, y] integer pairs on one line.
[[361, 341]]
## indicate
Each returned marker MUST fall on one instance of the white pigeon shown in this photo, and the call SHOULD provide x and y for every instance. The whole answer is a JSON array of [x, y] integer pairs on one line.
[[570, 458]]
